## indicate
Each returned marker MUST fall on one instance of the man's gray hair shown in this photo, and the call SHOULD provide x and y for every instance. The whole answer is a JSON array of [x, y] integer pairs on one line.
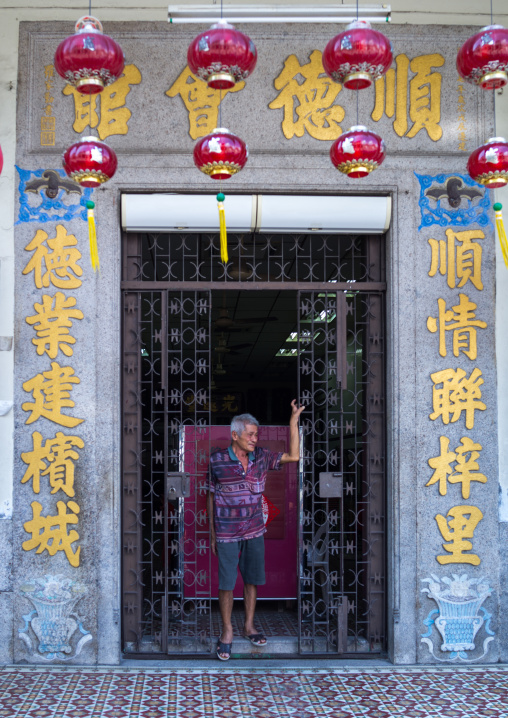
[[238, 423]]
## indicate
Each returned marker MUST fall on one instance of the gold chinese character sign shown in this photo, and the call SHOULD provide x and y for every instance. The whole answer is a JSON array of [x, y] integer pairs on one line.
[[52, 322], [461, 321], [50, 533], [51, 393], [307, 96], [54, 261], [106, 112], [201, 102]]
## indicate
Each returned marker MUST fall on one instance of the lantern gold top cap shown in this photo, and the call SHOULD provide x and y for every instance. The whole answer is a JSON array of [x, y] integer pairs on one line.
[[495, 139], [492, 27], [88, 23], [358, 128], [221, 130], [359, 22], [222, 23], [90, 138]]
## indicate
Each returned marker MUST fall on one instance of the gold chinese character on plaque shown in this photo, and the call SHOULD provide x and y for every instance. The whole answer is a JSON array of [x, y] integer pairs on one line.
[[56, 263], [52, 322], [458, 526], [55, 459], [461, 321], [307, 96], [201, 102], [51, 393], [49, 533], [48, 125], [107, 112], [465, 470], [453, 393], [461, 262], [424, 100]]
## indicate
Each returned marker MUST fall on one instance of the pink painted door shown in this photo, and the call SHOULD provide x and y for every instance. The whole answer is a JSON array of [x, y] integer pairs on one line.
[[281, 508]]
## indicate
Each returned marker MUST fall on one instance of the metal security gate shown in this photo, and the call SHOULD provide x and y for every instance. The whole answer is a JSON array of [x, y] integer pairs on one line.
[[166, 407], [342, 561], [180, 309]]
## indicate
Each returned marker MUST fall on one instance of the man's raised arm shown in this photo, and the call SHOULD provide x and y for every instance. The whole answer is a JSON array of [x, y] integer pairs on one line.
[[294, 435]]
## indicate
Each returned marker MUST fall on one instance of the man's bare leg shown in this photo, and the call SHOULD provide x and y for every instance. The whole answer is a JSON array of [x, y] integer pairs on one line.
[[250, 594], [226, 609]]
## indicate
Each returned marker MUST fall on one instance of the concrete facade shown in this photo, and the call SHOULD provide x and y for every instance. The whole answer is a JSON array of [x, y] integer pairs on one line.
[[155, 153]]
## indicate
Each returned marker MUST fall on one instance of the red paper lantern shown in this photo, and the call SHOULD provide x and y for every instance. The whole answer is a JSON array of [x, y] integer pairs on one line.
[[90, 162], [220, 154], [358, 56], [357, 152], [89, 60], [222, 56], [483, 59], [488, 164]]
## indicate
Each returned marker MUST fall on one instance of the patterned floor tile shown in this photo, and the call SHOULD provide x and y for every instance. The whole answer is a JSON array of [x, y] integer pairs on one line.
[[260, 693]]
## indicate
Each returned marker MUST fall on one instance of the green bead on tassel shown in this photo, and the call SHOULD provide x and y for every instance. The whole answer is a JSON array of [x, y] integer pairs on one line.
[[222, 228]]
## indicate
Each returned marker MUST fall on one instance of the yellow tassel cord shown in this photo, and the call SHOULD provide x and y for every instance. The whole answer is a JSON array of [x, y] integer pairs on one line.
[[222, 226], [92, 236], [501, 231]]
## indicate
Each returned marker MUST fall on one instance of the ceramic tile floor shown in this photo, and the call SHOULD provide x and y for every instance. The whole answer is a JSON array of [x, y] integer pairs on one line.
[[253, 693]]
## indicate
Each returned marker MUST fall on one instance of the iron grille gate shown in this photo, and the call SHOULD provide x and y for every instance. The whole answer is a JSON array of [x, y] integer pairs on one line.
[[167, 384], [342, 559]]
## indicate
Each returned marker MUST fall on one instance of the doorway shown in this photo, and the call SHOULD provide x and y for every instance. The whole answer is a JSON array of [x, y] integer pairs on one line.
[[293, 316]]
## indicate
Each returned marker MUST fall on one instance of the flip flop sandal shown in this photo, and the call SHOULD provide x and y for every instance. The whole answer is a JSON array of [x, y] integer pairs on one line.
[[223, 648], [257, 639]]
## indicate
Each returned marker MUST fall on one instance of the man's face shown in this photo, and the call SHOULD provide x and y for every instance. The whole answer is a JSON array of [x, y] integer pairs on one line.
[[248, 439]]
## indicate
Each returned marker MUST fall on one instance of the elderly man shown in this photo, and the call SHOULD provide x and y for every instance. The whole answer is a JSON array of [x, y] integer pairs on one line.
[[236, 480]]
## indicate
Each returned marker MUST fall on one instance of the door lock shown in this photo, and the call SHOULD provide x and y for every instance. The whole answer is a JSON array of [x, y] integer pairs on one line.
[[178, 484], [330, 484]]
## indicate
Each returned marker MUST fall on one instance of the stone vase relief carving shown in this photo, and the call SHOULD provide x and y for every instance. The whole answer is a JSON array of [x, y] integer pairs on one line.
[[49, 630], [457, 617]]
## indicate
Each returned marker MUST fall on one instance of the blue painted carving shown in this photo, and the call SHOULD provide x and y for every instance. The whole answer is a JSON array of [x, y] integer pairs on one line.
[[439, 211], [53, 621], [37, 207], [457, 617]]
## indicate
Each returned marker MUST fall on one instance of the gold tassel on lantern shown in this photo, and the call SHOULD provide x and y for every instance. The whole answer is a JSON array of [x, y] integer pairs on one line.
[[501, 231], [222, 226], [92, 236]]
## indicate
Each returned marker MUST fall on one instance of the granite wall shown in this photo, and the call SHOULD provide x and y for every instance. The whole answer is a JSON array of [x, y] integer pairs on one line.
[[442, 519]]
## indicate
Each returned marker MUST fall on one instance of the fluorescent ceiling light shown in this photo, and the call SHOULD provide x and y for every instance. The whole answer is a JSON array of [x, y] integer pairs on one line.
[[206, 14], [360, 214]]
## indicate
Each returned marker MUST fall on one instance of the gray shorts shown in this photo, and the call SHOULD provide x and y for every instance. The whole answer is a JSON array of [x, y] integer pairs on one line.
[[248, 556]]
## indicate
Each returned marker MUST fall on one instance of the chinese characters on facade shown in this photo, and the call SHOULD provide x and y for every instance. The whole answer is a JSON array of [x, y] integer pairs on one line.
[[48, 120], [410, 93], [53, 266], [457, 392]]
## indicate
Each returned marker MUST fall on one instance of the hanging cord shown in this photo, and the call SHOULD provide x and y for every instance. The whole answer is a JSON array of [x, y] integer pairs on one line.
[[357, 95], [493, 89], [220, 203]]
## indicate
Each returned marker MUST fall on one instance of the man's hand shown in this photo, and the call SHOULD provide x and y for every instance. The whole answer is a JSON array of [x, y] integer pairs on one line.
[[213, 544], [295, 411]]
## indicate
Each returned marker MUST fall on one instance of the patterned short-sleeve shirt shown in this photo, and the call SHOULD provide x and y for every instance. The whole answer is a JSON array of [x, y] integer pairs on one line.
[[238, 494]]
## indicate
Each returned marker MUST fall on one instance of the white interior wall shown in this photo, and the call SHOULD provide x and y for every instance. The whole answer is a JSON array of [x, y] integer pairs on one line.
[[454, 12]]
